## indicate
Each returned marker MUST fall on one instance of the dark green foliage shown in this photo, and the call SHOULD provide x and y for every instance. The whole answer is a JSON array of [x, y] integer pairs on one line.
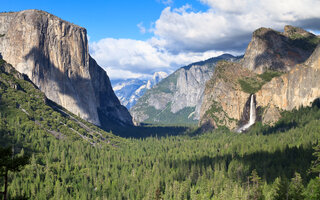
[[10, 163], [306, 42], [253, 84], [212, 165], [280, 189], [165, 116], [312, 191], [296, 188], [269, 75], [255, 190], [250, 85], [215, 165], [22, 102], [291, 119], [316, 163]]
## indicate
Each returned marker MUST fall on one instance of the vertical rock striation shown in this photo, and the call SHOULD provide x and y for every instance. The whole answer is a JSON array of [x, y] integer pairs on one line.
[[177, 99], [298, 87], [294, 53], [54, 54], [224, 100]]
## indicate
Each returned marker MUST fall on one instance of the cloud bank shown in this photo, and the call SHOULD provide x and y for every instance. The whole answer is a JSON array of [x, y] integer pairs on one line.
[[126, 58], [183, 35]]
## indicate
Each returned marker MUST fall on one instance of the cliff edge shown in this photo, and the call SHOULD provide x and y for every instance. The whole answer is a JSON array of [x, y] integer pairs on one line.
[[54, 54]]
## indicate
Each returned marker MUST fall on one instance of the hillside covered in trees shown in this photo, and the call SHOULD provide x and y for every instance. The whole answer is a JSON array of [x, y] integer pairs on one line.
[[72, 159]]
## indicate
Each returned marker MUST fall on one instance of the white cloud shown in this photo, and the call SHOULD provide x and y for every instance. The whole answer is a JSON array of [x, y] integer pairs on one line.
[[228, 24], [141, 28], [183, 35], [166, 2], [115, 73], [128, 58]]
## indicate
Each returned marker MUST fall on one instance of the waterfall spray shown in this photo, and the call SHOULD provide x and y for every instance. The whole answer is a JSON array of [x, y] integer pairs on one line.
[[252, 118]]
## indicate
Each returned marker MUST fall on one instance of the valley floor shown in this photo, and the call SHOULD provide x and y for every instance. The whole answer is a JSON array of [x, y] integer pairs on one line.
[[72, 159], [216, 165]]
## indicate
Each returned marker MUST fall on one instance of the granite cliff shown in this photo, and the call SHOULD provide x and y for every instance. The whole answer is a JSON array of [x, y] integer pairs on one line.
[[177, 99], [280, 69], [272, 50], [53, 53], [299, 87]]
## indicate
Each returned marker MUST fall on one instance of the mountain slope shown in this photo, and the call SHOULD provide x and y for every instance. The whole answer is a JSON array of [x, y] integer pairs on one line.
[[130, 90], [54, 54], [211, 165], [24, 107], [276, 87], [97, 165], [177, 98]]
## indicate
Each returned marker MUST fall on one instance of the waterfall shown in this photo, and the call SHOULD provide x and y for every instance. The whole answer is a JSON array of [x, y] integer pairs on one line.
[[252, 118]]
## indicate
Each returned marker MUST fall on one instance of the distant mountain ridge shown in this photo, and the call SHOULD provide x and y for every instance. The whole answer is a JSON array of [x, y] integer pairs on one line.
[[177, 99], [130, 90]]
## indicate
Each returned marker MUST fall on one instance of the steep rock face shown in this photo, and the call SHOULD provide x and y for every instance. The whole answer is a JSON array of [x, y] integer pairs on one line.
[[107, 104], [177, 98], [189, 88], [223, 98], [228, 91], [54, 55], [272, 50], [299, 87]]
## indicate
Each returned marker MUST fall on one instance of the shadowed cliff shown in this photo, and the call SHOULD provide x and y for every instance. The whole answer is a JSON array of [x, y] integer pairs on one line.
[[54, 54]]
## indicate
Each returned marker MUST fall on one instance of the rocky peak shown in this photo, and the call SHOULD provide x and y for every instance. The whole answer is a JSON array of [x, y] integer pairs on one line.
[[292, 31], [54, 54], [272, 50], [156, 78], [292, 52]]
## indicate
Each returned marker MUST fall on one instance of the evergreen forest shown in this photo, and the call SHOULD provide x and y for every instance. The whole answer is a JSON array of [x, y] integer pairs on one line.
[[69, 158]]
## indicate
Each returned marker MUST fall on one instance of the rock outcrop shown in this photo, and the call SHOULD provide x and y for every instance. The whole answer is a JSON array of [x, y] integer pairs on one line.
[[54, 54], [298, 87], [272, 50], [269, 52], [177, 99], [224, 99]]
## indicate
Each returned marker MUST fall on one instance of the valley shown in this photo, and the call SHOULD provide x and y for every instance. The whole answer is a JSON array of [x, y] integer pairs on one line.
[[227, 127]]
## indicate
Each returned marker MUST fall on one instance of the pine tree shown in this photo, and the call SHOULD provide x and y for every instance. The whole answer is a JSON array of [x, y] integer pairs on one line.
[[10, 162], [256, 190], [296, 188], [316, 163], [280, 189], [312, 191]]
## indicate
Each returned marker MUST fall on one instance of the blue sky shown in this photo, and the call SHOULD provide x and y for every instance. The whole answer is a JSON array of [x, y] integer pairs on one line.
[[135, 38], [103, 18]]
